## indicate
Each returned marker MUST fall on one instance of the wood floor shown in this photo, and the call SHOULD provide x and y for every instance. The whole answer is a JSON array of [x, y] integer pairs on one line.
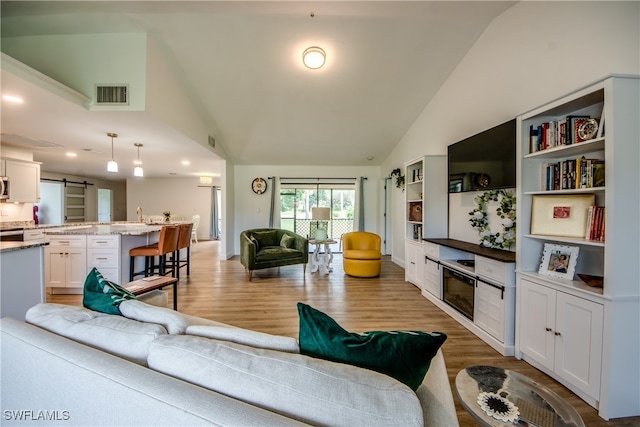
[[220, 290]]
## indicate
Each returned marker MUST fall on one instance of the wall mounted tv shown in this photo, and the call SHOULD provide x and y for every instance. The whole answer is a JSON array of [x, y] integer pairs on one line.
[[484, 161]]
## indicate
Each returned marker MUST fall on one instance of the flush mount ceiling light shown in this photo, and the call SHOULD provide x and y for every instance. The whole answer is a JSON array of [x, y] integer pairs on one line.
[[138, 169], [313, 57], [112, 166]]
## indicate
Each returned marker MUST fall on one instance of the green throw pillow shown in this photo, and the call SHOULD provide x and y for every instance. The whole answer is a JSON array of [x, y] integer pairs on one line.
[[287, 241], [102, 295], [403, 355]]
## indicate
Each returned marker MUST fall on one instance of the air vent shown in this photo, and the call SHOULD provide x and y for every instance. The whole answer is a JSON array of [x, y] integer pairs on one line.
[[112, 94], [212, 142]]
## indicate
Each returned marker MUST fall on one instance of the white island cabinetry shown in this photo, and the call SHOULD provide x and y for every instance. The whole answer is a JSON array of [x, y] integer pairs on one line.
[[74, 251]]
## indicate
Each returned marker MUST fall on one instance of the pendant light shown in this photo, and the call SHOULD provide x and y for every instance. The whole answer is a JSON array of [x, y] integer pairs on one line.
[[112, 166], [138, 170]]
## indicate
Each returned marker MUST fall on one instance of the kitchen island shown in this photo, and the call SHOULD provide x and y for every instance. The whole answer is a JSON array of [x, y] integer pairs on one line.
[[21, 277], [74, 250]]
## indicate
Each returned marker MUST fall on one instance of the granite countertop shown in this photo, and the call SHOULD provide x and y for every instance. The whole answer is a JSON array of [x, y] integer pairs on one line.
[[125, 229], [18, 246]]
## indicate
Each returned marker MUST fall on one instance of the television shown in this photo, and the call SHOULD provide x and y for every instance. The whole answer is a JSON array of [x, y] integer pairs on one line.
[[486, 161]]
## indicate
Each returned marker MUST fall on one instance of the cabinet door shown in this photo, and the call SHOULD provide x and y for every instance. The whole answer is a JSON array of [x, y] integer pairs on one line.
[[410, 267], [55, 267], [488, 310], [537, 322], [23, 181], [432, 277], [76, 267], [579, 342]]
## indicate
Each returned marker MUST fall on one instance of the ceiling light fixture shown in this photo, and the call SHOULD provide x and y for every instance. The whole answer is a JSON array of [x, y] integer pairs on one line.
[[138, 169], [112, 166], [313, 57]]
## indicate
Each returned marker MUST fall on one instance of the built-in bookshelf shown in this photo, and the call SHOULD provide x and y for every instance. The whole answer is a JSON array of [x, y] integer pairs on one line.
[[585, 336]]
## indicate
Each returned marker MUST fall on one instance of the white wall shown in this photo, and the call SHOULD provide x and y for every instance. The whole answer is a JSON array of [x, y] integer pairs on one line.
[[533, 53], [182, 197], [252, 210]]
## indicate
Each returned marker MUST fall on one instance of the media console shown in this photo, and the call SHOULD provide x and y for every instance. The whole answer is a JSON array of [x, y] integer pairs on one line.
[[475, 286]]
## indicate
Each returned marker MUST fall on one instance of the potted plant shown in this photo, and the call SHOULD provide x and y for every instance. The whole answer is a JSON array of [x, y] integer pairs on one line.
[[397, 173]]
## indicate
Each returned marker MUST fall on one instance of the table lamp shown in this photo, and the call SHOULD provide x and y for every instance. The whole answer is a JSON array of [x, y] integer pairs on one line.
[[321, 216]]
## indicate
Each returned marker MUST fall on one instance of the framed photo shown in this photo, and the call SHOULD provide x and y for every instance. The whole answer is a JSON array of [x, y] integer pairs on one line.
[[415, 211], [561, 215], [559, 261]]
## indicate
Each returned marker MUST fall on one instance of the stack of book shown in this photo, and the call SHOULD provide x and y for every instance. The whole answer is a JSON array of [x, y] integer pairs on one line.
[[595, 223], [555, 133], [573, 174]]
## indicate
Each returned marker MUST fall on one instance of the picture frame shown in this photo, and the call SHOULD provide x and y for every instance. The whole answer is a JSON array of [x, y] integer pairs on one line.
[[561, 215], [559, 261], [415, 211]]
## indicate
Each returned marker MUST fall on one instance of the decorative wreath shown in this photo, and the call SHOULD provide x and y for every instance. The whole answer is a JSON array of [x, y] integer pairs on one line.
[[507, 211]]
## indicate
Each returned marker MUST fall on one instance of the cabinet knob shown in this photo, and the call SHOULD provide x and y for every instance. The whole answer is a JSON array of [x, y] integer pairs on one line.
[[548, 329], [557, 334]]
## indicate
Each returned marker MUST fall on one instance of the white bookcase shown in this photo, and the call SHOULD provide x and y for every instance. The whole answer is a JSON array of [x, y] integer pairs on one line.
[[588, 338], [425, 211]]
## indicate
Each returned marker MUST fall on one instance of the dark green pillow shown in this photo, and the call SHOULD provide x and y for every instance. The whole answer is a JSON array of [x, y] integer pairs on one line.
[[287, 241], [403, 355], [102, 295]]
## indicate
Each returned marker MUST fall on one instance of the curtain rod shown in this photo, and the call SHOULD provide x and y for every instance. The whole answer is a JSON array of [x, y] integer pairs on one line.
[[66, 181], [313, 183], [303, 177]]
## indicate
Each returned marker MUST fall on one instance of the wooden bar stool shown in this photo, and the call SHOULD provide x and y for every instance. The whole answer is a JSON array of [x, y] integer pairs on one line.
[[184, 242], [167, 244]]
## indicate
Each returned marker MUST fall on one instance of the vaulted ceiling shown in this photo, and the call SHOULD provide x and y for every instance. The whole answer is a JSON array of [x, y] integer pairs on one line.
[[240, 65]]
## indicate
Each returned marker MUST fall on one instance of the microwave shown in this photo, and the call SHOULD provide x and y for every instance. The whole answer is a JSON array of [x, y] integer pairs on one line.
[[4, 187]]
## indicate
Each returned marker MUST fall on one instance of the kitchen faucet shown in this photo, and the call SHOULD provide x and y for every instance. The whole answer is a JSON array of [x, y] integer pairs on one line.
[[139, 213]]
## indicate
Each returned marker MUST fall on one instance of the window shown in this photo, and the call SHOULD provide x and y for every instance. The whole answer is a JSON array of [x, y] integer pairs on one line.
[[297, 199]]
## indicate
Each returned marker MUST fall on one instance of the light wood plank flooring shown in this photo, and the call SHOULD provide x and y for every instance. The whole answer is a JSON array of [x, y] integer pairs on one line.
[[220, 290]]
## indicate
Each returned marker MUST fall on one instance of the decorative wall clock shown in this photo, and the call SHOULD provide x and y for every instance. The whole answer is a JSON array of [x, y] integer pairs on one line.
[[259, 185]]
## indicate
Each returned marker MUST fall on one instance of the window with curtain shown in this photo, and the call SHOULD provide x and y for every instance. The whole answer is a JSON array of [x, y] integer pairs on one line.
[[297, 197]]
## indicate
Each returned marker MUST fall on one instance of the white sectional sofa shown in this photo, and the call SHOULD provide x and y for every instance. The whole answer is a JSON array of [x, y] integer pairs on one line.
[[73, 366]]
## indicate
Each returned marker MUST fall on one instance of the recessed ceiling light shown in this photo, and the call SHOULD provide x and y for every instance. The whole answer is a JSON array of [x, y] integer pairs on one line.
[[314, 57], [186, 162], [70, 154], [11, 98]]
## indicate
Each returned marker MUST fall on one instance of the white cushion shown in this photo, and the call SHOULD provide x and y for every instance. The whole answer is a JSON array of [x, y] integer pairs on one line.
[[311, 390], [246, 337], [174, 322], [113, 334]]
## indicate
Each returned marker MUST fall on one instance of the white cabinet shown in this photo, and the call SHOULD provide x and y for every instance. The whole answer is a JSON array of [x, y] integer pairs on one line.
[[66, 262], [489, 309], [562, 334], [414, 263], [615, 103], [24, 181], [493, 297], [34, 235], [432, 275], [425, 211], [103, 252]]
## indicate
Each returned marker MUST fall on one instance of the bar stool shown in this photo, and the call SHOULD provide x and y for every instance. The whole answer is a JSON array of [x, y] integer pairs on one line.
[[167, 244], [184, 242]]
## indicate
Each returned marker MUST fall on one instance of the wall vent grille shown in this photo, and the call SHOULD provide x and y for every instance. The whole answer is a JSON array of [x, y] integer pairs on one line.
[[112, 94]]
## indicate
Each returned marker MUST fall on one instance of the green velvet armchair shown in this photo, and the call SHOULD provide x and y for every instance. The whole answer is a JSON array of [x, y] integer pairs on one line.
[[272, 247]]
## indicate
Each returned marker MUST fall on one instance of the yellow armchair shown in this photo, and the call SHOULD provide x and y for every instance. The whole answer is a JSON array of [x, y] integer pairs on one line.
[[361, 254]]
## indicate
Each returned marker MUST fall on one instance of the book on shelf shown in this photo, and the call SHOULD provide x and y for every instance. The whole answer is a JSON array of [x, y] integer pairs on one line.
[[573, 174], [555, 133], [595, 223]]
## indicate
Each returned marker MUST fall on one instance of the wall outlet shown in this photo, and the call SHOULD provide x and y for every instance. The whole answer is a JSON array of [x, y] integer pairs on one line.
[[3, 212]]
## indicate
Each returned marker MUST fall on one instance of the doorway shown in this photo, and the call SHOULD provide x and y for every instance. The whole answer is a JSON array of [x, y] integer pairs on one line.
[[105, 211]]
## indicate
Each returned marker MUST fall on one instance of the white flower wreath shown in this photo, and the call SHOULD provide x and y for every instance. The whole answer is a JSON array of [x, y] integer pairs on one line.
[[507, 211]]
